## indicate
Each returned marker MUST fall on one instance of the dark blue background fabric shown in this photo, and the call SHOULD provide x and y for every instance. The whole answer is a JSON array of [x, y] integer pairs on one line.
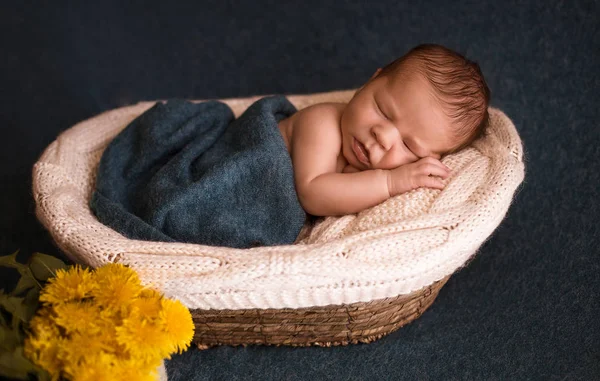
[[525, 308], [190, 172]]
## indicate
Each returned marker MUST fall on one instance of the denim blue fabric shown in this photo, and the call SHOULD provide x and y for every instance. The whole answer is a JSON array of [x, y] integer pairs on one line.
[[190, 172]]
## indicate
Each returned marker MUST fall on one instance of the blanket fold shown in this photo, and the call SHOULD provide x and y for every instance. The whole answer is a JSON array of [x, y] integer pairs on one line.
[[191, 172]]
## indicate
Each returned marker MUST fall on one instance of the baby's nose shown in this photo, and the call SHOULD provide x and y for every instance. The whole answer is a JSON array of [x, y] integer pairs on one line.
[[386, 136]]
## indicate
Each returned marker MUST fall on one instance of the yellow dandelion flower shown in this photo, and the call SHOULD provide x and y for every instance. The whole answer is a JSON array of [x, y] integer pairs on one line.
[[150, 293], [42, 326], [111, 345], [147, 363], [136, 370], [178, 323], [144, 339], [146, 308], [45, 353], [78, 317], [118, 285], [120, 351], [116, 270], [111, 315], [98, 367], [68, 285], [80, 346], [107, 324]]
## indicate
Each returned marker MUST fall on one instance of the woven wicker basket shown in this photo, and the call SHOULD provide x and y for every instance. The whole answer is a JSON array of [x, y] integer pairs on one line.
[[345, 280]]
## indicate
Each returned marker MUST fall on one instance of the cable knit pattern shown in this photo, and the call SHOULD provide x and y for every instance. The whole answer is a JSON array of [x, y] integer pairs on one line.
[[400, 246]]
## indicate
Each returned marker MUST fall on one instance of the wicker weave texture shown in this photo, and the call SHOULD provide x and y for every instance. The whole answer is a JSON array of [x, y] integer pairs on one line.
[[361, 322], [400, 246]]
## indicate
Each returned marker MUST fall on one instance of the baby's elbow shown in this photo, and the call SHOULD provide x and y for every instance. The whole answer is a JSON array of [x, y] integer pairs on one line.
[[309, 204], [310, 201]]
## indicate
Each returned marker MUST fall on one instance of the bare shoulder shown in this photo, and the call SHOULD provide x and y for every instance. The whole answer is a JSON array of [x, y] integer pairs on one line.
[[320, 113], [316, 140], [317, 125], [321, 118]]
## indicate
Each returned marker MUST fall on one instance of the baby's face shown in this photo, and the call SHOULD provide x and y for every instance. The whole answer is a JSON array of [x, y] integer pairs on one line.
[[391, 122]]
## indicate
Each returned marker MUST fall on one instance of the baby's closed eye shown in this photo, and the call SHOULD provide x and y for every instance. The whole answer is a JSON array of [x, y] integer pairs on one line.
[[380, 111], [411, 151]]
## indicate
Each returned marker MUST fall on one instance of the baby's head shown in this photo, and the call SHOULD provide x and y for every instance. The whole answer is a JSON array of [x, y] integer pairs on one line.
[[456, 83], [431, 101]]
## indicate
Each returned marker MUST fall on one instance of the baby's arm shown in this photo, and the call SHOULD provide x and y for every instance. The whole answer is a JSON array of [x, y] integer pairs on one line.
[[352, 192], [316, 145]]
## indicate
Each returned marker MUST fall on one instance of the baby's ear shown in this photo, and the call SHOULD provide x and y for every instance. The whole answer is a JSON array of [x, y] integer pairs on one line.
[[376, 73]]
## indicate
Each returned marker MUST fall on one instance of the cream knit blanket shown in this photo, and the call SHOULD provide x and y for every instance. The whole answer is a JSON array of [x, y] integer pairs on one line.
[[399, 246]]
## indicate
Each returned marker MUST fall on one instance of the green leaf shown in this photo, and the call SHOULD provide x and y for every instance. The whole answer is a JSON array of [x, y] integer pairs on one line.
[[42, 374], [26, 282], [2, 319], [9, 260], [44, 266], [31, 303], [15, 306], [11, 304], [14, 364], [9, 339], [23, 269]]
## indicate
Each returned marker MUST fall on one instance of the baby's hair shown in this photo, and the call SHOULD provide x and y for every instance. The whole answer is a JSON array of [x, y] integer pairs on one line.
[[458, 85]]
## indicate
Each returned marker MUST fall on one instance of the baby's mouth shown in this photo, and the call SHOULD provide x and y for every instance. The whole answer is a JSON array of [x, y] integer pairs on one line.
[[361, 152]]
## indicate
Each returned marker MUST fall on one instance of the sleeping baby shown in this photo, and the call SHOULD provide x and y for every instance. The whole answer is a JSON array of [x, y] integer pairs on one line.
[[390, 137], [192, 172]]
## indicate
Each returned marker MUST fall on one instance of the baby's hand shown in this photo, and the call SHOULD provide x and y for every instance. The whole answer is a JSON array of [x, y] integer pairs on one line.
[[421, 173]]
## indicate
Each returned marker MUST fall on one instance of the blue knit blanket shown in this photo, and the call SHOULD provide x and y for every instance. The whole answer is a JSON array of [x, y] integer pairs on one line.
[[186, 172]]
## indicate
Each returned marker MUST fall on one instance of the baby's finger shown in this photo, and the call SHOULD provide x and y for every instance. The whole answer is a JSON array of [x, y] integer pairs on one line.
[[433, 160], [434, 170], [430, 182]]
